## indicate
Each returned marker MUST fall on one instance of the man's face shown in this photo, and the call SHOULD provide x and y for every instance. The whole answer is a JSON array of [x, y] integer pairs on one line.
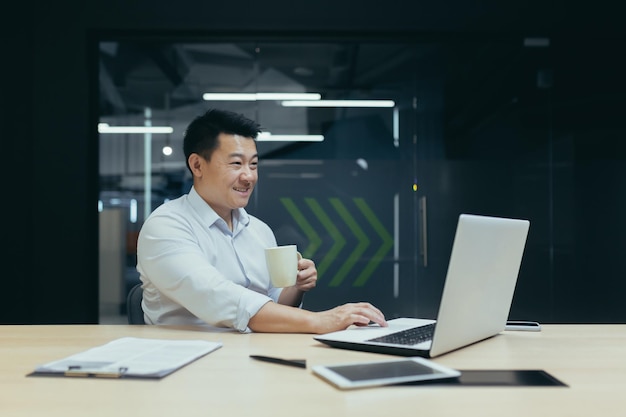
[[227, 180]]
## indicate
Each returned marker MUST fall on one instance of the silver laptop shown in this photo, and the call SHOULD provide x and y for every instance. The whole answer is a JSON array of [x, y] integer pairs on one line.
[[476, 300]]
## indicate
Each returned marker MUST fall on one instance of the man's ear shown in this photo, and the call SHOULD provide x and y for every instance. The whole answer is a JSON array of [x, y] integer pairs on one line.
[[195, 163]]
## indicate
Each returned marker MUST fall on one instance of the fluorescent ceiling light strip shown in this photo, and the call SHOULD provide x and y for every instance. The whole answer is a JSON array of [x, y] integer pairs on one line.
[[288, 96], [260, 96], [339, 103], [268, 137], [105, 128]]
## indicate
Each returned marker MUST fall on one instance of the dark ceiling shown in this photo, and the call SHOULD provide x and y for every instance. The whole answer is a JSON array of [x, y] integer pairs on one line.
[[475, 77]]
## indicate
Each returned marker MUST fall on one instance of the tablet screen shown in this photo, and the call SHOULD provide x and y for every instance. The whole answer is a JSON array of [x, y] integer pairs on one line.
[[382, 370]]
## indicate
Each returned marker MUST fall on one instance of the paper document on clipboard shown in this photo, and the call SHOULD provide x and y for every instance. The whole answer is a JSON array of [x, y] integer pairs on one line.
[[130, 357]]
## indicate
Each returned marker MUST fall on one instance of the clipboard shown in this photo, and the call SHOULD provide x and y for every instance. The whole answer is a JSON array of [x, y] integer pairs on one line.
[[129, 357]]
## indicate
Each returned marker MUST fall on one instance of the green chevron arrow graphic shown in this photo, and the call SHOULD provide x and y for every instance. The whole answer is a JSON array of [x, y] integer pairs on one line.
[[363, 242], [384, 248], [332, 231], [314, 240]]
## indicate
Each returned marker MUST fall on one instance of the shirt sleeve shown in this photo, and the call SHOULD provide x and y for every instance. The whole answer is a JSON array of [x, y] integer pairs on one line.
[[169, 255]]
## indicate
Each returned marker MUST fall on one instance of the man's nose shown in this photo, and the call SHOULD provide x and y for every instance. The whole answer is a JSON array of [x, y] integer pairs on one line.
[[248, 173]]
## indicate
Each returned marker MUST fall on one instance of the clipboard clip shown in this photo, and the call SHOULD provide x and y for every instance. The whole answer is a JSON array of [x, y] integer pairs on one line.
[[78, 371]]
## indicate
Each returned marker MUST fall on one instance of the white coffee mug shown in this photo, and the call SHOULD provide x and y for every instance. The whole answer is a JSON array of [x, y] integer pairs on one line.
[[282, 265]]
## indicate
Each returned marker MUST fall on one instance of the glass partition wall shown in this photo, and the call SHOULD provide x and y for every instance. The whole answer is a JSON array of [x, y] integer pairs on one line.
[[371, 149]]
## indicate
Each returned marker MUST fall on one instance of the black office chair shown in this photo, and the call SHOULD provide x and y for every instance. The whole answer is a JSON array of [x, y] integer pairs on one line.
[[133, 305]]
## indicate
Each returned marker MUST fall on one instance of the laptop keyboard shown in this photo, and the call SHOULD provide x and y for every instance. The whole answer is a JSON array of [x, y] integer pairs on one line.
[[411, 336]]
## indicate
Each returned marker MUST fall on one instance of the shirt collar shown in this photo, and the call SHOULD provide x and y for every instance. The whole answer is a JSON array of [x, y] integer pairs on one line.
[[241, 218]]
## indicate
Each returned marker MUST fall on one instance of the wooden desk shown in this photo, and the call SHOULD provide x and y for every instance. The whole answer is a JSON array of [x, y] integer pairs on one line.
[[591, 359]]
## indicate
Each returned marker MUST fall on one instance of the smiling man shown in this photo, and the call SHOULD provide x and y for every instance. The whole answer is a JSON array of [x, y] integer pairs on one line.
[[201, 257]]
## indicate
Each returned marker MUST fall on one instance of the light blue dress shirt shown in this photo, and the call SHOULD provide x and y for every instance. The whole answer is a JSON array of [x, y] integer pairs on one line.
[[196, 271]]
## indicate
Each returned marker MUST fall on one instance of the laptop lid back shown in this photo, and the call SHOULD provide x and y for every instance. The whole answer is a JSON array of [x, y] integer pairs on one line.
[[480, 282]]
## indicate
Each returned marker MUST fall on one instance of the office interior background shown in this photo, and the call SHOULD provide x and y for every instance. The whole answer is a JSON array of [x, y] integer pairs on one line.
[[498, 109]]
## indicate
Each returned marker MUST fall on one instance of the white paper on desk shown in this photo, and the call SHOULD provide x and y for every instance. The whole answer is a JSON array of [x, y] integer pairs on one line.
[[135, 356]]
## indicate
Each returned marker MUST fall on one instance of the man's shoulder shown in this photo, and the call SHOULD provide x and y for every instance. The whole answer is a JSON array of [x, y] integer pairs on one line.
[[171, 208]]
